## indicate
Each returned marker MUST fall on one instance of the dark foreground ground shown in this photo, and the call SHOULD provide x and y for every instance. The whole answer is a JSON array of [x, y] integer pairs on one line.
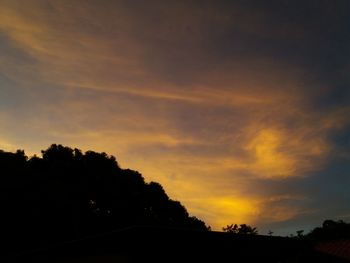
[[145, 244]]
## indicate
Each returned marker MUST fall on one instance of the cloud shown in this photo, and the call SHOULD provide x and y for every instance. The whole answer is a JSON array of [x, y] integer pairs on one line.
[[217, 103]]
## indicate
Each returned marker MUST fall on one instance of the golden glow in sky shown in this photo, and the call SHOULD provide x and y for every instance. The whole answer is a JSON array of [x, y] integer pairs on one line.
[[225, 106]]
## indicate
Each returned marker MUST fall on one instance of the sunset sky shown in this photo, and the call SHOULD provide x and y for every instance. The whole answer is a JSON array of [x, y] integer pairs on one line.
[[240, 109]]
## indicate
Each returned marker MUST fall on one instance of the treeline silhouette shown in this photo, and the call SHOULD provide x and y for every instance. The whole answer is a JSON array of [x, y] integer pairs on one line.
[[67, 194], [242, 229], [330, 230]]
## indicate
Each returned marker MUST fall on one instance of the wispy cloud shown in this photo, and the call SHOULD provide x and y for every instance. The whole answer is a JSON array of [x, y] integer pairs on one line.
[[206, 99]]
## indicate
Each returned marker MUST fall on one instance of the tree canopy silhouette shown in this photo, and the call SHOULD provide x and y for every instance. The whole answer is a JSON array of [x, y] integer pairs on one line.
[[331, 230], [241, 229], [67, 194]]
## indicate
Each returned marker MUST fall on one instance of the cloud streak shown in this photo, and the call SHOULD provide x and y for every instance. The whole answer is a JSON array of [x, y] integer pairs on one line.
[[211, 101]]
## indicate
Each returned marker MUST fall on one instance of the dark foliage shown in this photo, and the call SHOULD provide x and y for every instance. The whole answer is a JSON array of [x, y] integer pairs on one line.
[[241, 229], [68, 194], [330, 230]]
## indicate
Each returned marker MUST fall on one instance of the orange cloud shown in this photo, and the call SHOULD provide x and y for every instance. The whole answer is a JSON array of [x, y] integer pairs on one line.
[[278, 153], [269, 161], [204, 134]]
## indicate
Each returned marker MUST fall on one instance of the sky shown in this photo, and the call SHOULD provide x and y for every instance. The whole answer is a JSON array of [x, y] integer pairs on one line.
[[240, 109]]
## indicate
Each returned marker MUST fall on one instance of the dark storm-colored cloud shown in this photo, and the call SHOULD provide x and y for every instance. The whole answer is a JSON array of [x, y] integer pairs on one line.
[[306, 34]]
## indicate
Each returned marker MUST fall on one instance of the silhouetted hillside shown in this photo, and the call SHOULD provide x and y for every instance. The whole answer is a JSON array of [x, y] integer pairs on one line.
[[67, 194]]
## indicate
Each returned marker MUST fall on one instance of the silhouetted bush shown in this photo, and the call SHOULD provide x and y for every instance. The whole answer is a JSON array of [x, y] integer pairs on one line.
[[241, 229]]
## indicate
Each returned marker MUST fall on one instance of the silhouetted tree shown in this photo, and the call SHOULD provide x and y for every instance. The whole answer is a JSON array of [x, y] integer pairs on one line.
[[241, 229], [231, 229], [68, 194], [330, 230], [300, 233]]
